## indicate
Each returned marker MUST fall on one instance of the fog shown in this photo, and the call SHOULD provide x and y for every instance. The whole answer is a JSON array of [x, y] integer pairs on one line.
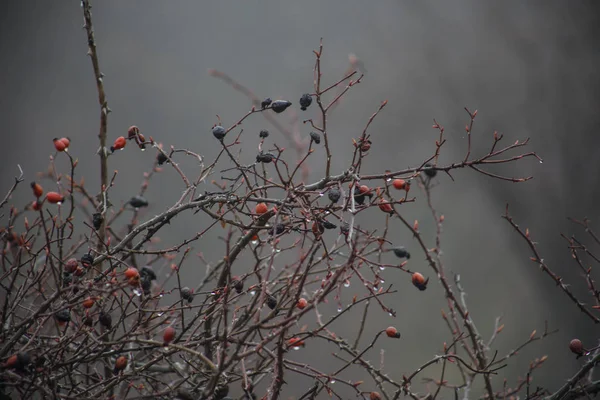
[[529, 68]]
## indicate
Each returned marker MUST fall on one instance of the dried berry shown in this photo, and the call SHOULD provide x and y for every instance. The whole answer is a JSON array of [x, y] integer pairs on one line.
[[315, 137], [219, 132], [161, 158], [138, 202], [71, 265], [271, 302], [386, 207], [365, 146], [419, 281], [63, 316], [576, 347], [305, 101], [334, 195], [265, 157], [401, 252], [280, 106], [328, 225], [277, 229], [266, 103], [67, 279], [317, 228], [392, 332], [345, 229], [263, 134], [87, 260], [361, 193], [37, 189], [429, 170], [238, 285], [187, 294], [97, 220], [105, 320]]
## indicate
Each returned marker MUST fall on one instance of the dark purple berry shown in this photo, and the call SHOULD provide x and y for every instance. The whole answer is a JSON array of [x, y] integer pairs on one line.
[[401, 252], [334, 195], [263, 134], [161, 158], [138, 202], [97, 220], [238, 285], [359, 197], [429, 170], [315, 137], [87, 260], [271, 302], [105, 320], [265, 158], [305, 101], [266, 103], [280, 106], [186, 294], [219, 132], [63, 315], [277, 229]]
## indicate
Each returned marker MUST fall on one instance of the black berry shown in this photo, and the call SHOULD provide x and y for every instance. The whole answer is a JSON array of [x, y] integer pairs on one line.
[[359, 197], [277, 229], [266, 103], [265, 158], [271, 302], [138, 202], [263, 134], [87, 260], [238, 285], [401, 252], [328, 225], [186, 294], [63, 315], [334, 195], [429, 170], [305, 101], [147, 271], [280, 106], [105, 320], [161, 158], [97, 220], [219, 132], [315, 137]]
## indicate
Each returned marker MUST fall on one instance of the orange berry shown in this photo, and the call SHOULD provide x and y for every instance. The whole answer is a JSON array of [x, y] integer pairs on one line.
[[295, 342], [302, 303], [12, 361], [59, 145], [120, 364], [119, 143], [419, 281], [169, 335], [385, 206], [131, 273], [54, 197], [399, 184], [88, 303], [261, 208], [37, 189], [392, 332]]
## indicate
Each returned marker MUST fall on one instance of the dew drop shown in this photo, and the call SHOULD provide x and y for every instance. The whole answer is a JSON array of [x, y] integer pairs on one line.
[[321, 195], [390, 314], [347, 283], [143, 149], [388, 179], [160, 314], [382, 281], [161, 295], [278, 250], [541, 161], [296, 348], [331, 382], [254, 242], [137, 292], [340, 309], [59, 202], [252, 293], [382, 268]]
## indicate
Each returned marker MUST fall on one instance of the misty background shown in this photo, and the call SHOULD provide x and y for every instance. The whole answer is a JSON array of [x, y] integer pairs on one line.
[[529, 68]]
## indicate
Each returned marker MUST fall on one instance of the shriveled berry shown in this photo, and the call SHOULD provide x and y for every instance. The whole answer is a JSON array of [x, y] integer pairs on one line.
[[38, 191], [133, 131], [365, 146], [168, 335], [263, 134], [187, 294], [401, 252], [329, 225], [315, 137], [71, 265], [277, 229], [97, 220], [265, 157], [63, 316], [105, 320], [36, 205], [120, 364], [138, 201], [419, 281], [345, 229], [429, 170], [280, 106], [161, 158], [54, 198], [87, 260], [148, 272], [334, 195], [576, 346], [392, 332], [219, 132], [261, 208], [305, 101], [271, 302], [302, 303], [238, 285], [374, 396], [317, 228], [266, 103]]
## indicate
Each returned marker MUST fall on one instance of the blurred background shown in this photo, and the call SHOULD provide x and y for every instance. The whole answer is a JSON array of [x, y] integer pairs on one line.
[[529, 68]]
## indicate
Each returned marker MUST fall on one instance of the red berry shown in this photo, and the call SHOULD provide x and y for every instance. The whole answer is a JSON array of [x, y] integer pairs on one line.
[[261, 208], [302, 303], [419, 281], [120, 364], [54, 197], [37, 189], [169, 335], [399, 184], [392, 332], [59, 144], [385, 206], [374, 396], [119, 144], [133, 276], [133, 131], [66, 141], [71, 265], [576, 346], [88, 303], [36, 205], [295, 342]]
